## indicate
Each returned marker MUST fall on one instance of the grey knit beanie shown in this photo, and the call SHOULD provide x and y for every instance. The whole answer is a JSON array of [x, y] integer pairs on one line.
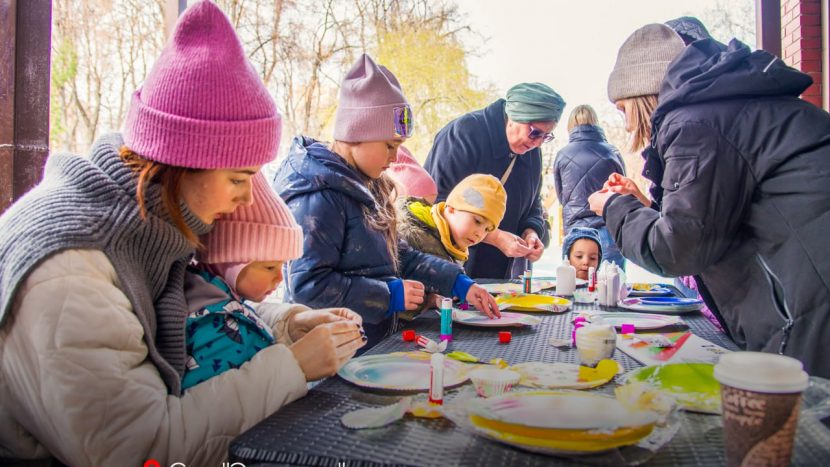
[[642, 62]]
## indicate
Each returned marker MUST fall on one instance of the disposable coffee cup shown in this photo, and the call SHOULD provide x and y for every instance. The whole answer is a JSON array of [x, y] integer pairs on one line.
[[760, 395]]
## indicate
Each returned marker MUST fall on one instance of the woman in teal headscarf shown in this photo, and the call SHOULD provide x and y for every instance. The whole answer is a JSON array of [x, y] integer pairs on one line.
[[502, 140]]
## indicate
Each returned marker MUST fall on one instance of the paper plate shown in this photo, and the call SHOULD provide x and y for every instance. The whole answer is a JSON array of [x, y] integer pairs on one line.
[[475, 318], [533, 303], [399, 371], [639, 320], [559, 422], [565, 375], [639, 289], [667, 305], [691, 384], [512, 287], [542, 283]]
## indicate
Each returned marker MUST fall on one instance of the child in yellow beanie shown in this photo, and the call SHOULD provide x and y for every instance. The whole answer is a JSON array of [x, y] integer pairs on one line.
[[474, 208]]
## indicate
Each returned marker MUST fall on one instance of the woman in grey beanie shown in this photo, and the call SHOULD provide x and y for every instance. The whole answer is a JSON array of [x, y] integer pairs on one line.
[[734, 155]]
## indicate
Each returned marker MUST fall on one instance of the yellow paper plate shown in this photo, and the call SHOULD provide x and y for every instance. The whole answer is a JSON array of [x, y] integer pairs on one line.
[[565, 375], [560, 422], [533, 303]]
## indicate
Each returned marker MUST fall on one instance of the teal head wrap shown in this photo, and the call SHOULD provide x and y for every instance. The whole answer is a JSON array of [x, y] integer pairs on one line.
[[533, 102]]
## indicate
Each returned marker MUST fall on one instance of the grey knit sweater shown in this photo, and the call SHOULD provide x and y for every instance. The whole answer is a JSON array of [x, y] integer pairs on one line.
[[89, 203]]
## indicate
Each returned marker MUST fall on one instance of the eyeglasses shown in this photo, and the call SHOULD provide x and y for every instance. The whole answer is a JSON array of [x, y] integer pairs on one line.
[[536, 133]]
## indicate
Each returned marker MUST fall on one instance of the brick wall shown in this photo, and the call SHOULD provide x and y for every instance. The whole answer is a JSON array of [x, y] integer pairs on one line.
[[801, 42]]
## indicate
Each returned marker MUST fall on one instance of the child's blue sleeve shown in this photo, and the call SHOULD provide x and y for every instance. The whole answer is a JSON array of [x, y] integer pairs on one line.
[[396, 297], [462, 286]]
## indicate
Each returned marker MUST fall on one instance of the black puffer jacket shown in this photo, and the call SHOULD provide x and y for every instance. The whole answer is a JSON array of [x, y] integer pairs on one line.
[[581, 168], [744, 167]]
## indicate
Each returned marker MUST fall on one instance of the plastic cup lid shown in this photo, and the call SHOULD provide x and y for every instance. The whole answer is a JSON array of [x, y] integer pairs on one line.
[[761, 372]]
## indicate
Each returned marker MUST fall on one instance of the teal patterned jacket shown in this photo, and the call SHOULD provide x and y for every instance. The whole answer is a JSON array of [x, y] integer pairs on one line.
[[220, 335]]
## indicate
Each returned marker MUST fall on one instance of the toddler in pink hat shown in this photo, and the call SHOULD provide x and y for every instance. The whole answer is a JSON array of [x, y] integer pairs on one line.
[[241, 262]]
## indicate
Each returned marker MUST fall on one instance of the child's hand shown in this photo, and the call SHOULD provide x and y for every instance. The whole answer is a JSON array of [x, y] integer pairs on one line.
[[327, 347], [413, 294], [301, 323], [483, 301]]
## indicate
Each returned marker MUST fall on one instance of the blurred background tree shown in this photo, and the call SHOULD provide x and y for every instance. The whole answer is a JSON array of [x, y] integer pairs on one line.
[[102, 50]]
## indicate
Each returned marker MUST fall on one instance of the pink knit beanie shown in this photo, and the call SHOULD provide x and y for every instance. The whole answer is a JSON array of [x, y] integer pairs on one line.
[[263, 231], [203, 105], [411, 178], [372, 106]]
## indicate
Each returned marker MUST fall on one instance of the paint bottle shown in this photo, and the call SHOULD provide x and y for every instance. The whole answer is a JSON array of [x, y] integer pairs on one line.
[[565, 279], [592, 279], [527, 280], [436, 379], [612, 287], [446, 319]]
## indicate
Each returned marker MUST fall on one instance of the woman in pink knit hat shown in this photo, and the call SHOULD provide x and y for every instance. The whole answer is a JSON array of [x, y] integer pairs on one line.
[[241, 264], [92, 269]]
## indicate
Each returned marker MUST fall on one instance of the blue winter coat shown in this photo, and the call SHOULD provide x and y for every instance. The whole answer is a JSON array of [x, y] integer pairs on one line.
[[345, 262], [581, 168], [477, 143], [742, 166]]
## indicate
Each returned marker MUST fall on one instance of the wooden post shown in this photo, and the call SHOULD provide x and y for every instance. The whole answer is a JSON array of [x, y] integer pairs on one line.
[[25, 48], [768, 25]]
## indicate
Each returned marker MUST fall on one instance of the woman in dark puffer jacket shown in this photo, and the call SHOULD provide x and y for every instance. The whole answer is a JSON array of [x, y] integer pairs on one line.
[[581, 168]]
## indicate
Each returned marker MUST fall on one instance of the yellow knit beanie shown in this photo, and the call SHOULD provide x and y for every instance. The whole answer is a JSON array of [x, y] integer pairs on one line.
[[480, 194]]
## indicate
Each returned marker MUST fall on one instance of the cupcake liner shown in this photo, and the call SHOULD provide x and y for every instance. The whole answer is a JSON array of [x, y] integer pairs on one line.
[[493, 382]]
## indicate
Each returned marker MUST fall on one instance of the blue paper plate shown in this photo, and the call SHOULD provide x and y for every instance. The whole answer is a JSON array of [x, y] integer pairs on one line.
[[672, 301], [655, 291]]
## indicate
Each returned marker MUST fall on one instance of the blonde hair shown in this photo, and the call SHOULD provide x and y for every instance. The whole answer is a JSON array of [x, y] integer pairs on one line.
[[582, 115], [638, 114], [382, 217]]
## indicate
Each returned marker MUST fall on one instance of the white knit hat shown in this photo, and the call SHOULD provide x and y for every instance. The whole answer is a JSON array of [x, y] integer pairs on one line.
[[642, 62]]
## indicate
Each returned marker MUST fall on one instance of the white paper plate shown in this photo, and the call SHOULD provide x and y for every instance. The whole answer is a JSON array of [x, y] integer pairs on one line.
[[399, 371], [639, 320], [636, 304], [475, 318]]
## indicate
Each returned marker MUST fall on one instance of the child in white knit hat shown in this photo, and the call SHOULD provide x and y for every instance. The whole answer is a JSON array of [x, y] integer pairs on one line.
[[241, 263]]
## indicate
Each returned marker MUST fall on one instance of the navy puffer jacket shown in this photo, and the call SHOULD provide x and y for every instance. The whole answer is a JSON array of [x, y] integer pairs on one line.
[[581, 168], [345, 262]]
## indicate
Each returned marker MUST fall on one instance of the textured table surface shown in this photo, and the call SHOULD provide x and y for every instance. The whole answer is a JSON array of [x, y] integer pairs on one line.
[[309, 432]]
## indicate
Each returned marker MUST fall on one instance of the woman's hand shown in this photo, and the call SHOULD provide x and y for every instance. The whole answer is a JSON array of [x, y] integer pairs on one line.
[[511, 245], [301, 323], [533, 242], [617, 183], [598, 199], [324, 349], [483, 301], [413, 294]]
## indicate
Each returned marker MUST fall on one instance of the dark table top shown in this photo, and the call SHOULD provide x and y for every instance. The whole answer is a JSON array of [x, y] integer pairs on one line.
[[309, 432]]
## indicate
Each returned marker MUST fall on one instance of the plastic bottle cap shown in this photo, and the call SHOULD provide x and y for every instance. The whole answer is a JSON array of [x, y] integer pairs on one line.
[[408, 335], [504, 337]]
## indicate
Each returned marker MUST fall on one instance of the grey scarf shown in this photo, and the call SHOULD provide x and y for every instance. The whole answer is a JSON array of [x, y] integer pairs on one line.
[[89, 203]]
